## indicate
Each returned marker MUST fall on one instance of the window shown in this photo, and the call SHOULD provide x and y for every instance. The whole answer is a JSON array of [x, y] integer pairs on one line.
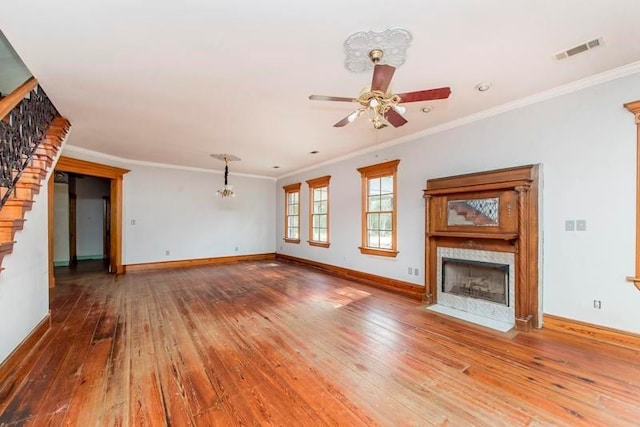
[[292, 213], [379, 202], [319, 211]]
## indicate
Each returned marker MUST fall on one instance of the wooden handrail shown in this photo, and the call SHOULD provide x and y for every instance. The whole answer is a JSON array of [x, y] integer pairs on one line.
[[10, 101]]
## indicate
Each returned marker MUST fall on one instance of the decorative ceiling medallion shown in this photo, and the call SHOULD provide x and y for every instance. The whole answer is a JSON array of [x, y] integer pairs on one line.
[[226, 157], [394, 42]]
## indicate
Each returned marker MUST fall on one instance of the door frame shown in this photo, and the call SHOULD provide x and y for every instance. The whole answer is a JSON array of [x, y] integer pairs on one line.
[[115, 175], [73, 209], [106, 226]]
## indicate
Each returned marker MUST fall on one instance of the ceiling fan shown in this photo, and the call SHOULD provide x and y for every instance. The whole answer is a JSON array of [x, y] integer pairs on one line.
[[379, 103]]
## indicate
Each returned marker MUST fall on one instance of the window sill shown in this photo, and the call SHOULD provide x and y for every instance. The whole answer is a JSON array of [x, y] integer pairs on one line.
[[318, 244], [296, 241], [379, 252]]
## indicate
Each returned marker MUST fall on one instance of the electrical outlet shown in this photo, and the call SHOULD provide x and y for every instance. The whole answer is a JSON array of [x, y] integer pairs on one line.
[[167, 252], [133, 222], [569, 225], [237, 249], [581, 225], [416, 271], [597, 304], [410, 270]]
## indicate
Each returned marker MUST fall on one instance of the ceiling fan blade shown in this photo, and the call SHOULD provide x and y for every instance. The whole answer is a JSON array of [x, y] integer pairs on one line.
[[331, 98], [382, 75], [425, 95], [351, 117], [394, 118]]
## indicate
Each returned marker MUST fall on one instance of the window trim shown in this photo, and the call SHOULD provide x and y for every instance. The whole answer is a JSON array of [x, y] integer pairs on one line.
[[320, 182], [634, 108], [372, 172], [288, 189]]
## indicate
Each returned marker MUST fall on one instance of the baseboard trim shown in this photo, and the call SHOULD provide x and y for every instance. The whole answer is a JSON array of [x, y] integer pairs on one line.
[[15, 367], [405, 288], [197, 262], [595, 332], [89, 257]]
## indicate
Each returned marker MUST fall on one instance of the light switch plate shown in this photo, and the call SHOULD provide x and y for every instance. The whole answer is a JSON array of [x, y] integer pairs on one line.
[[581, 225], [569, 225]]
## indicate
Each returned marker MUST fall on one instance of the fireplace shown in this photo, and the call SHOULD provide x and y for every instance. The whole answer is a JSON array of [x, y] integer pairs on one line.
[[482, 247], [476, 279]]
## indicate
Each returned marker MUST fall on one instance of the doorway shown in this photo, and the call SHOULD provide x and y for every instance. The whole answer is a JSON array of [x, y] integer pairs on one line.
[[81, 222], [113, 230]]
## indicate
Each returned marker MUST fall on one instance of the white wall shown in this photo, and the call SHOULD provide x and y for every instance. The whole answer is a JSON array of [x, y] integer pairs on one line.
[[61, 224], [585, 142], [90, 216], [176, 210], [24, 282]]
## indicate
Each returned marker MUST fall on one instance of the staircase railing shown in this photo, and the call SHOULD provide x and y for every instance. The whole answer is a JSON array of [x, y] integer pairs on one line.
[[25, 116]]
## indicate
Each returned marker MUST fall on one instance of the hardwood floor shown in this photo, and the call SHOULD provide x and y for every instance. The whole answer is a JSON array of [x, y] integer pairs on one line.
[[275, 343]]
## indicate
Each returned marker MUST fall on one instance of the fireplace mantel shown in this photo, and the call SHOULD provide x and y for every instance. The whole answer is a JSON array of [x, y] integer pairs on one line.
[[495, 211]]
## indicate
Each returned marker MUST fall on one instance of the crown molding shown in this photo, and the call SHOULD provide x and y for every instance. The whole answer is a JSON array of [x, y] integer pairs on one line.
[[69, 150], [575, 86]]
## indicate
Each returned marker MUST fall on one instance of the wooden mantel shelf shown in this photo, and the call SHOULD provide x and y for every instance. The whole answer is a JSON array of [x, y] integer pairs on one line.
[[473, 235]]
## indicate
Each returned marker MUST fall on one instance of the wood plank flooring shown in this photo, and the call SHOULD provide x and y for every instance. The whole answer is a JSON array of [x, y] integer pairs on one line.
[[272, 343]]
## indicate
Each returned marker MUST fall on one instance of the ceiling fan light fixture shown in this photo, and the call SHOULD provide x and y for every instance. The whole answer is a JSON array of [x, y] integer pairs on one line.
[[401, 109]]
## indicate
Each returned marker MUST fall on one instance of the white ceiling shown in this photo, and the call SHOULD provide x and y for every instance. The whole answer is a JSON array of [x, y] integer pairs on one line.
[[174, 81]]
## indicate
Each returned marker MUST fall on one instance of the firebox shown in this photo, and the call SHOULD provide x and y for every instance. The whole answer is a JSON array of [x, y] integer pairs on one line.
[[476, 279]]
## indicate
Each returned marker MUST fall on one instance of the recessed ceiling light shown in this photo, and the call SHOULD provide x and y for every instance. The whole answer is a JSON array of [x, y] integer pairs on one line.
[[314, 152], [483, 87], [427, 109], [276, 167]]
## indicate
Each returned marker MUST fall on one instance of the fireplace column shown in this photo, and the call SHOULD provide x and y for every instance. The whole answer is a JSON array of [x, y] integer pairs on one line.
[[523, 317], [429, 296]]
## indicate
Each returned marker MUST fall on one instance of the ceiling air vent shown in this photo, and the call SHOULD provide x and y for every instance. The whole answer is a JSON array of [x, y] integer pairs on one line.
[[579, 49]]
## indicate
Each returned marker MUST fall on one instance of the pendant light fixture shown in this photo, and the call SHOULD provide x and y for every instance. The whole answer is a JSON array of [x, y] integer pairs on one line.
[[227, 190]]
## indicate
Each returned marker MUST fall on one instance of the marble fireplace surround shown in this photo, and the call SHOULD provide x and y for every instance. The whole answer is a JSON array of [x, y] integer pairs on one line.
[[504, 314]]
